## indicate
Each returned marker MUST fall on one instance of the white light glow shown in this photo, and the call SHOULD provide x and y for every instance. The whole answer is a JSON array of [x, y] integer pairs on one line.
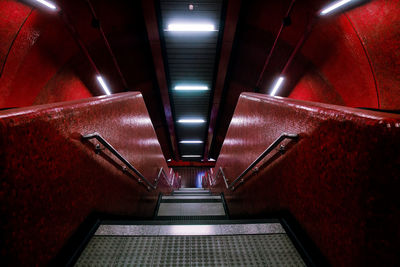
[[191, 142], [276, 86], [334, 6], [103, 84], [191, 121], [169, 160], [191, 229], [191, 156], [211, 159], [191, 27], [47, 4], [191, 88]]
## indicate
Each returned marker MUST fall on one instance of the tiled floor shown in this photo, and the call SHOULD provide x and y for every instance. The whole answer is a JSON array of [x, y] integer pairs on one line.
[[230, 250]]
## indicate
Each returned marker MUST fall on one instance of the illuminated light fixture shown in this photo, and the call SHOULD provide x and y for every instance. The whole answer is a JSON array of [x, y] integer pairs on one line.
[[191, 88], [191, 121], [334, 6], [277, 85], [103, 84], [191, 142], [191, 156], [169, 160], [47, 4], [177, 27], [211, 159]]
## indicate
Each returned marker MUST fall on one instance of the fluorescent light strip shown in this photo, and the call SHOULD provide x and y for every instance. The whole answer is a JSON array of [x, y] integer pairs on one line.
[[191, 88], [103, 84], [191, 121], [334, 6], [191, 142], [47, 3], [175, 27], [277, 85], [191, 156]]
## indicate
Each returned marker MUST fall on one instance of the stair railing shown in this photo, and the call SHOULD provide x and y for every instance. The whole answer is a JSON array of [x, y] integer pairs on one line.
[[141, 179], [239, 180]]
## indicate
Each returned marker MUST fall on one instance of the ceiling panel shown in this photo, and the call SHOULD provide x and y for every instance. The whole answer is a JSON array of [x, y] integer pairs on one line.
[[190, 59]]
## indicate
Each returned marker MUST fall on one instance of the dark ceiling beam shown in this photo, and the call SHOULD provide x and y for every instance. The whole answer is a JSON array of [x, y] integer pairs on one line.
[[231, 19], [285, 22], [150, 17], [71, 28], [97, 24]]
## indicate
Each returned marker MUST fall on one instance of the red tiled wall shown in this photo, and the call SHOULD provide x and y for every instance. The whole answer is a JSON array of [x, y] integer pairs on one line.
[[339, 181], [36, 51], [354, 58], [51, 180]]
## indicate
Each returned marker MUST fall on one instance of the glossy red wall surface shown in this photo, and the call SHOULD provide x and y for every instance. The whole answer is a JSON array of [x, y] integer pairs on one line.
[[51, 180], [35, 58], [349, 58], [339, 180], [354, 58], [41, 61]]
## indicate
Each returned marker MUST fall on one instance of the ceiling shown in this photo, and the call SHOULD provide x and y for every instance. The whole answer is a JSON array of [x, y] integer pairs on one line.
[[350, 58], [190, 59]]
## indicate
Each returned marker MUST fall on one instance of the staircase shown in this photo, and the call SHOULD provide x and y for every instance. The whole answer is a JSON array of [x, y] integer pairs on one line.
[[191, 204], [191, 227]]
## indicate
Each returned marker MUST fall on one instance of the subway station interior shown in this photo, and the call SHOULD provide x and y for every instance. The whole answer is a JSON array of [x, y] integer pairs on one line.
[[200, 133]]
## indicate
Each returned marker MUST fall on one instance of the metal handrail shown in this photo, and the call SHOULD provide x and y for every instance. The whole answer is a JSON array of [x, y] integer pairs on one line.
[[257, 160], [107, 145], [165, 177]]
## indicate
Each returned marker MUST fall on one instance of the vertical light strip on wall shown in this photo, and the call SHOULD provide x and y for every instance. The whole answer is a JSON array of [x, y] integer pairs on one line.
[[47, 4], [103, 85], [277, 86], [334, 6]]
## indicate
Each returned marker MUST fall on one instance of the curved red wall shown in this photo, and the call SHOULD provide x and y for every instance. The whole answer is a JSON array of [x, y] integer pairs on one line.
[[35, 49], [348, 59], [356, 56]]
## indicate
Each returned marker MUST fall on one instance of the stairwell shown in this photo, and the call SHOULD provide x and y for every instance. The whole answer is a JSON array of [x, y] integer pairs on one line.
[[191, 227]]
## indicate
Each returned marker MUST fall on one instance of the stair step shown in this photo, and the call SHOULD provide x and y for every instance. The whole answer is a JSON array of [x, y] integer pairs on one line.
[[249, 244], [207, 229], [190, 189], [191, 209], [183, 197], [191, 193]]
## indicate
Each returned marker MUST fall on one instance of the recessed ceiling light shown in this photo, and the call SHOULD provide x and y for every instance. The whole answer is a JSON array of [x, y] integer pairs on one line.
[[191, 88], [191, 142], [47, 4], [277, 85], [191, 121], [190, 27], [103, 85], [334, 6]]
